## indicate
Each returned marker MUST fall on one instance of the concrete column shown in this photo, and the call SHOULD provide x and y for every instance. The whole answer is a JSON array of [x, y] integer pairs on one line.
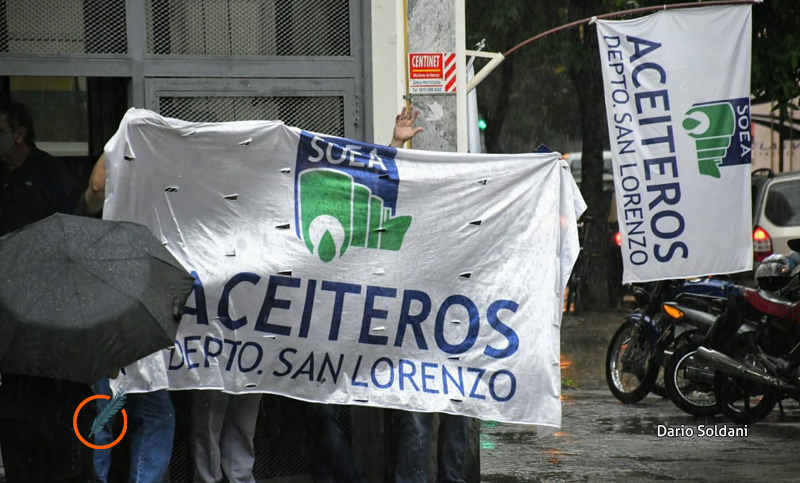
[[438, 26], [432, 27]]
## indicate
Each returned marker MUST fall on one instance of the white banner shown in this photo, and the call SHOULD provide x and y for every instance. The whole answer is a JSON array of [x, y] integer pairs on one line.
[[335, 271], [677, 89]]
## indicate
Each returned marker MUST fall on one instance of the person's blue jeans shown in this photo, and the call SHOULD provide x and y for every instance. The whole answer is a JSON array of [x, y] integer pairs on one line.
[[151, 427], [415, 438], [330, 456]]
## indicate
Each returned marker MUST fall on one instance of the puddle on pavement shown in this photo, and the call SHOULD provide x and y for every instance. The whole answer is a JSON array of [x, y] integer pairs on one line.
[[584, 342]]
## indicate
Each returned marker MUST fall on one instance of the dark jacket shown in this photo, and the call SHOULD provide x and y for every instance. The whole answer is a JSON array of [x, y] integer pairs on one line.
[[35, 190]]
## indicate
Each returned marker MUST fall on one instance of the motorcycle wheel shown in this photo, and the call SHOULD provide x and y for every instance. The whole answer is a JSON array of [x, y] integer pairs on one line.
[[741, 400], [630, 369], [659, 387], [686, 385]]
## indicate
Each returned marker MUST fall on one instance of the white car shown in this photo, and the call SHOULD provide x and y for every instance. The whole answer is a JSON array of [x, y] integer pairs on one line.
[[776, 213]]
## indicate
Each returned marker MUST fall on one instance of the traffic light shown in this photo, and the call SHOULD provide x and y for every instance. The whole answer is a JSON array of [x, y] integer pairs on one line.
[[481, 124]]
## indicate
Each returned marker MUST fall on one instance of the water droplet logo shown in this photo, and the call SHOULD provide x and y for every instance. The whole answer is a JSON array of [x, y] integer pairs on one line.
[[346, 196], [326, 233]]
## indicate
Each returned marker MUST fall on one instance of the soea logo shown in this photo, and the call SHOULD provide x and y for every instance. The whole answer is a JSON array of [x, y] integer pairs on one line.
[[346, 196], [721, 133]]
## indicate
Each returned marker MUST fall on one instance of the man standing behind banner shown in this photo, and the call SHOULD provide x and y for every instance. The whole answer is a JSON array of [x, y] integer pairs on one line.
[[223, 425], [330, 456], [415, 427]]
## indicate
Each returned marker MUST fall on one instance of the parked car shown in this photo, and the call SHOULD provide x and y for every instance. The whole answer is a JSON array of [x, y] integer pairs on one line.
[[776, 212]]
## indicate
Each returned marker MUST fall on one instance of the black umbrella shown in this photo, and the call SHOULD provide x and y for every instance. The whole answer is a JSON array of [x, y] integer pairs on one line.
[[81, 298]]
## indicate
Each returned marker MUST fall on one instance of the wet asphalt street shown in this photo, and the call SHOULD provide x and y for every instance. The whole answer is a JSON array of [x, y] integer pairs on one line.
[[603, 440]]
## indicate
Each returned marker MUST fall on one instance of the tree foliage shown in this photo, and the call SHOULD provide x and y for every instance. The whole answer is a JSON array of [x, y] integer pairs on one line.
[[776, 52], [534, 77]]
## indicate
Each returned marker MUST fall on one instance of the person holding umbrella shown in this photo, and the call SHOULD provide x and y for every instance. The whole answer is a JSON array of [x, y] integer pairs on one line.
[[151, 414], [36, 434], [81, 298], [223, 425]]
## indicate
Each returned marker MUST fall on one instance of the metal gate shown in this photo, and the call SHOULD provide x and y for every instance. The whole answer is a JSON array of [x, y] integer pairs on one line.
[[279, 52], [299, 61]]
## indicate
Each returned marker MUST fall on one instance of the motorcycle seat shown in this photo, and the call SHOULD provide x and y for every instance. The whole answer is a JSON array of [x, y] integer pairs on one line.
[[772, 304]]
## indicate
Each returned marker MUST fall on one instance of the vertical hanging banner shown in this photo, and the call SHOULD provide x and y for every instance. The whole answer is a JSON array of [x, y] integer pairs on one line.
[[432, 73], [677, 90]]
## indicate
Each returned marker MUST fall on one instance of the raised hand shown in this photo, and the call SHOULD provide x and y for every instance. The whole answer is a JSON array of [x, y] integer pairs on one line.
[[404, 128]]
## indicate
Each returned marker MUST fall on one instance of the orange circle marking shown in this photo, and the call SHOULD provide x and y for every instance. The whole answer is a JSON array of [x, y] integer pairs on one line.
[[78, 434]]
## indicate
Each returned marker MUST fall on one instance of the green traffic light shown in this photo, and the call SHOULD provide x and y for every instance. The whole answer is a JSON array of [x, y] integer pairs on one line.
[[481, 124]]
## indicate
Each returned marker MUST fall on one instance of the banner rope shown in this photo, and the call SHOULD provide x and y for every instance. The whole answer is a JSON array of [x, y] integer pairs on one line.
[[623, 13]]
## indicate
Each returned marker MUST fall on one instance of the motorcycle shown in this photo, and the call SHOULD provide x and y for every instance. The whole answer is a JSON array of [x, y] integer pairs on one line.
[[637, 350], [755, 369], [688, 379]]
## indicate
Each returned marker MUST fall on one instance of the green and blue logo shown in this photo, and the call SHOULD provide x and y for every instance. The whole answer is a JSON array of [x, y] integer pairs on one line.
[[721, 132], [346, 196]]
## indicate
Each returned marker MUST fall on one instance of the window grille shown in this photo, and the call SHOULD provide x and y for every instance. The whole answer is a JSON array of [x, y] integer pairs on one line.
[[324, 115], [248, 27], [63, 27]]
